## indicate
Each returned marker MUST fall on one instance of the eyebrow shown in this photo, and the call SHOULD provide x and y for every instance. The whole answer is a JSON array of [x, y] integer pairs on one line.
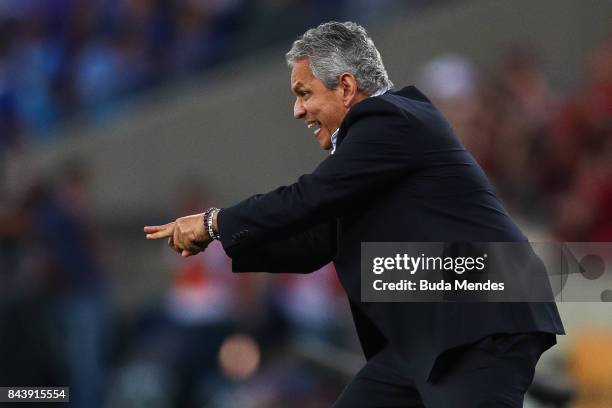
[[297, 86]]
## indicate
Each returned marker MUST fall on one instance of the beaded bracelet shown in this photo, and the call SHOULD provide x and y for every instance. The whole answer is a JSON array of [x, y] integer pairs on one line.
[[208, 222]]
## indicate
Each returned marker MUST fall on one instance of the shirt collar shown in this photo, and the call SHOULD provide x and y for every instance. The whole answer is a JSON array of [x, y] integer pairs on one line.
[[334, 136]]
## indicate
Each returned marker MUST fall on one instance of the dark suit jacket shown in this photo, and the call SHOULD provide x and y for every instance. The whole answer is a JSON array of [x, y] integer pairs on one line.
[[399, 174]]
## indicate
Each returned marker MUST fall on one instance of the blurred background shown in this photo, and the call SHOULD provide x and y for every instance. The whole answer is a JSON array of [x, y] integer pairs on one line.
[[116, 114]]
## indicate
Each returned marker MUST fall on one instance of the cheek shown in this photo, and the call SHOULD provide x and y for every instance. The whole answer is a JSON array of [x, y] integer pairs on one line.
[[311, 107], [325, 116], [332, 114]]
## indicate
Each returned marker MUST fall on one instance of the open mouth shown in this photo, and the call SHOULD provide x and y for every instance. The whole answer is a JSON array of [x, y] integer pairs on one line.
[[313, 124]]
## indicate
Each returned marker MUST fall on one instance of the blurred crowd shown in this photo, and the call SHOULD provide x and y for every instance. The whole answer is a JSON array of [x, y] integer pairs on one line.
[[549, 156], [54, 305], [73, 59], [66, 57], [210, 338], [204, 338]]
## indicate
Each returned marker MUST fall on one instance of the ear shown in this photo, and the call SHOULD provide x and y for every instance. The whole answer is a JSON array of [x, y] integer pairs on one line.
[[348, 85]]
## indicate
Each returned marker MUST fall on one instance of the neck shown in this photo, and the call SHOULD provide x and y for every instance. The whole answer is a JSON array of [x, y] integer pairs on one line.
[[360, 97]]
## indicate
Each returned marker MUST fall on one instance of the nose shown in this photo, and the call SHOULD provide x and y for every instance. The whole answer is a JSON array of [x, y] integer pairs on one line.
[[298, 109]]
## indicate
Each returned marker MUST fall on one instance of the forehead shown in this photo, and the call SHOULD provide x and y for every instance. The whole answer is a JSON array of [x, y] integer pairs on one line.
[[301, 73]]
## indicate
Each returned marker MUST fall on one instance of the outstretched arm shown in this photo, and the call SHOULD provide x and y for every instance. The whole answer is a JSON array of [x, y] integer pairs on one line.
[[301, 253], [374, 155]]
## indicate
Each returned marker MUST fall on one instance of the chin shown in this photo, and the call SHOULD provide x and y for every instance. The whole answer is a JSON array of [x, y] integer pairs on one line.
[[325, 143]]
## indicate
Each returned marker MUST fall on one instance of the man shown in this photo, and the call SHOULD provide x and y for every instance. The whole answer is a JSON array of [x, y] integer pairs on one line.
[[396, 173]]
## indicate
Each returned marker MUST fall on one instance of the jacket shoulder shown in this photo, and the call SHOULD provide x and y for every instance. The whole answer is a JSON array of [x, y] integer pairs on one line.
[[378, 107]]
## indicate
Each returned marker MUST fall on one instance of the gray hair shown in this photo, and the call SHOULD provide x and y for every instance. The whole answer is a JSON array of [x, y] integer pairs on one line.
[[334, 48]]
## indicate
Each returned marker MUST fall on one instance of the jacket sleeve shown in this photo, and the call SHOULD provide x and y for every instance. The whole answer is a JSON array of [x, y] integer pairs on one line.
[[381, 145], [304, 252]]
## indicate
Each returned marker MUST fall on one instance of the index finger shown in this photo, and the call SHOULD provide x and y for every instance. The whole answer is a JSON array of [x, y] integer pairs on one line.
[[159, 231]]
